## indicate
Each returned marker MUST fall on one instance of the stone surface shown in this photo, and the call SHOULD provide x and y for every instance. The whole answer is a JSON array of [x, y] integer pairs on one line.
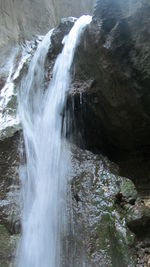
[[16, 66], [9, 184], [9, 199], [22, 20], [23, 17], [59, 33], [138, 219], [25, 20], [99, 228], [105, 102], [7, 247], [112, 75]]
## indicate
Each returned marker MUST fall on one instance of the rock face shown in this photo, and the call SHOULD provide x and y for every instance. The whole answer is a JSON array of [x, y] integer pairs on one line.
[[24, 20], [7, 247], [105, 208], [100, 229], [112, 66], [9, 199], [109, 106], [9, 189], [19, 20], [109, 95]]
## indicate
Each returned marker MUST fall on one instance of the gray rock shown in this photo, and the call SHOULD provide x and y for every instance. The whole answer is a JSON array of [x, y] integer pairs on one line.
[[9, 183], [23, 17], [99, 229], [59, 33], [22, 20], [112, 72], [7, 247], [138, 219]]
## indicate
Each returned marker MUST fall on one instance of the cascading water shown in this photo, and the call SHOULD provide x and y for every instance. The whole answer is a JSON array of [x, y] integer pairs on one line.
[[44, 177]]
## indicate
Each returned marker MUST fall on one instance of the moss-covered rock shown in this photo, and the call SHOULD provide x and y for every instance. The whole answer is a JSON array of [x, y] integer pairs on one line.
[[112, 240], [98, 218], [128, 190], [138, 219]]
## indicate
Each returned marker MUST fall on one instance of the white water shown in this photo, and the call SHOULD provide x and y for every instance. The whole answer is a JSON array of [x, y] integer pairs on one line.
[[44, 177], [9, 120], [18, 58]]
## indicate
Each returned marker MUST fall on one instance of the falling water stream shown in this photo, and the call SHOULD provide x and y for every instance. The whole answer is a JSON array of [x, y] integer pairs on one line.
[[44, 177]]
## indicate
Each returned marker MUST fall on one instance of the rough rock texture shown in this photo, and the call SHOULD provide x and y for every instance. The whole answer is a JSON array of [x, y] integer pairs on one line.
[[7, 247], [109, 96], [21, 20], [113, 75], [9, 199], [109, 222], [103, 204], [9, 183], [109, 99], [63, 29], [17, 64]]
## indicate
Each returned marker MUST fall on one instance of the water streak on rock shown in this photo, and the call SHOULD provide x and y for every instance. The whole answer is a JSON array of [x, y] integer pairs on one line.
[[47, 154]]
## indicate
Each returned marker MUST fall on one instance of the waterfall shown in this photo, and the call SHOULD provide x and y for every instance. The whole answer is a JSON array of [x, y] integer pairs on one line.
[[44, 177]]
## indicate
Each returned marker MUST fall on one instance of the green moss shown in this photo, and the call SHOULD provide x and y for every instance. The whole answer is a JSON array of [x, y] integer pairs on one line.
[[114, 240], [109, 241], [128, 189]]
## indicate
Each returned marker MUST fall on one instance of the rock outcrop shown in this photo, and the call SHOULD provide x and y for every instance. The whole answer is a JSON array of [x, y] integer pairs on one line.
[[107, 215], [19, 20], [100, 199], [113, 75], [9, 199], [86, 103], [23, 20]]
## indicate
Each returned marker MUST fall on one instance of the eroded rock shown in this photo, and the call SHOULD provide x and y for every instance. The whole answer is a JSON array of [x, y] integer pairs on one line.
[[99, 225], [7, 247], [112, 74], [9, 185]]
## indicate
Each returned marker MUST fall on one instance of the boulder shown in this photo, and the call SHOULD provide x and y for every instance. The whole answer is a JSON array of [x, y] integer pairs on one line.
[[138, 219], [99, 230]]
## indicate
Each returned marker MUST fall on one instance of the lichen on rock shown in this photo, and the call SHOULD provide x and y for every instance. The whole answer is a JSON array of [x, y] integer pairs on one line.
[[97, 216]]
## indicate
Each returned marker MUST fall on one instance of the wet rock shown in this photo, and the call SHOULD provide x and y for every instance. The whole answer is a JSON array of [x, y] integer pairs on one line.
[[17, 65], [9, 183], [20, 21], [7, 247], [9, 199], [59, 33], [56, 46], [112, 74], [128, 191], [2, 82], [138, 219], [99, 226], [105, 100]]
